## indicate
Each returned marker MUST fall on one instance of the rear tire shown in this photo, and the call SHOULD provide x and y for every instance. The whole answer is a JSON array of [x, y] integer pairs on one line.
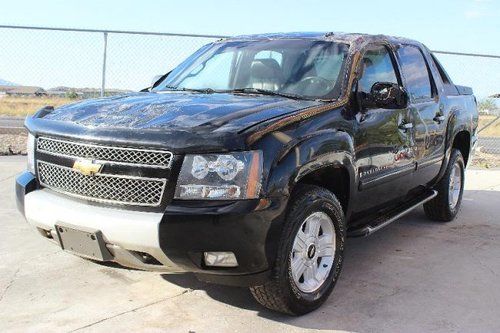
[[445, 206], [310, 254]]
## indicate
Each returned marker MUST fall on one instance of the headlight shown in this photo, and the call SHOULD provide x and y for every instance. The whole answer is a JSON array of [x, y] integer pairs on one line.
[[220, 176], [30, 151]]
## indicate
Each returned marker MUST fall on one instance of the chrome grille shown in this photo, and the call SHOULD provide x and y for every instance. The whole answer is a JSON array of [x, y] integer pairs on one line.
[[118, 155], [102, 187]]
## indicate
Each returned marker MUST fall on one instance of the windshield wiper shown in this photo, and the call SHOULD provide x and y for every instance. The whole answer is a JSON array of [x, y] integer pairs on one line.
[[203, 91], [265, 92], [240, 91], [171, 87]]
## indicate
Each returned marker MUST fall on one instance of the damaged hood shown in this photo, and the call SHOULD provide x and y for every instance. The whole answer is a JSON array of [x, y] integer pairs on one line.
[[177, 111]]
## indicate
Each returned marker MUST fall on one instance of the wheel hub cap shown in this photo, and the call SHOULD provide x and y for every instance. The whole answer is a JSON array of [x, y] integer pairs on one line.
[[313, 252], [455, 186]]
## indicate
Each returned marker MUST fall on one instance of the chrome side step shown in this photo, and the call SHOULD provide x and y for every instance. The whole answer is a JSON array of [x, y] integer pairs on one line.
[[391, 216]]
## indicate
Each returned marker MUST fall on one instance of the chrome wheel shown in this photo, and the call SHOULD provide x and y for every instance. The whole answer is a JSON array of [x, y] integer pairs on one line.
[[455, 186], [313, 252]]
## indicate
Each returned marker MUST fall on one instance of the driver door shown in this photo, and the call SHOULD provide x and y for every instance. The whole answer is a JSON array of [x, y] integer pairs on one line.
[[384, 140]]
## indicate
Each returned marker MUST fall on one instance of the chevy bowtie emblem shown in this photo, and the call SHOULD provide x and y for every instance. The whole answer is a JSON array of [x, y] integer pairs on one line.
[[87, 167]]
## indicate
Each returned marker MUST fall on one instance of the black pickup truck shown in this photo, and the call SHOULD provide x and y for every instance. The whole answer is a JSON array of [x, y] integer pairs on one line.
[[251, 162]]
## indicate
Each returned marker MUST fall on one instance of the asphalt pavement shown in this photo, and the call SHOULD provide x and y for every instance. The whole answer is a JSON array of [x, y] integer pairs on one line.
[[11, 125]]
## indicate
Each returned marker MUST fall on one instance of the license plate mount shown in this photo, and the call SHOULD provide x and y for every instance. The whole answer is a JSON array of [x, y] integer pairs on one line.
[[83, 242]]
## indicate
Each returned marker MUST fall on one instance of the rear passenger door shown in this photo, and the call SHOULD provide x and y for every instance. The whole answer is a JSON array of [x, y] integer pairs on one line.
[[427, 112]]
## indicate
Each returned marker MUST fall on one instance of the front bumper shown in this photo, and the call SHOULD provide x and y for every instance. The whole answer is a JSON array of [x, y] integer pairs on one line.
[[173, 241]]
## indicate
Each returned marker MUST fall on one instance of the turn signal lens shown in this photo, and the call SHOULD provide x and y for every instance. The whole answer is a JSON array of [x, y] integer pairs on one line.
[[30, 151]]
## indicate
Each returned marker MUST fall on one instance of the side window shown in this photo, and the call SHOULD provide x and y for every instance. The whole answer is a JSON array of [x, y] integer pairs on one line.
[[377, 67], [415, 72], [442, 72], [448, 86], [270, 55]]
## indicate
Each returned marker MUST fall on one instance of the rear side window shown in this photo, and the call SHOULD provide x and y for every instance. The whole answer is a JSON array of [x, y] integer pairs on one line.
[[448, 86], [414, 69], [442, 72]]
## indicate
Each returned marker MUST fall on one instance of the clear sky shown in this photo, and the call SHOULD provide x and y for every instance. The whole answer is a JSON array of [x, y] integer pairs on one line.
[[452, 25]]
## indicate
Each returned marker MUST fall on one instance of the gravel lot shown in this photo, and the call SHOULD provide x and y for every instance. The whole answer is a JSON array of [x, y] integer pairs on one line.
[[13, 144], [414, 276]]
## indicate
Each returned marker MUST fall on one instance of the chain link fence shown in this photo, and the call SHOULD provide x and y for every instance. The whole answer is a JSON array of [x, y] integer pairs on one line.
[[482, 72], [55, 66], [104, 61]]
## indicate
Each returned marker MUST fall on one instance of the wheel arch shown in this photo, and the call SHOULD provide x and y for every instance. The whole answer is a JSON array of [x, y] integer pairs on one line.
[[324, 158], [459, 133], [462, 142], [334, 178]]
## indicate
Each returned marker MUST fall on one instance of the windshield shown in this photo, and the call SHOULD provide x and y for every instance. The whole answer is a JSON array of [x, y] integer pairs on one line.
[[298, 67]]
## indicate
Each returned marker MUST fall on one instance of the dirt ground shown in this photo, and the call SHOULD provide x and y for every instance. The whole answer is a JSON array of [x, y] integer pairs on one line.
[[484, 160]]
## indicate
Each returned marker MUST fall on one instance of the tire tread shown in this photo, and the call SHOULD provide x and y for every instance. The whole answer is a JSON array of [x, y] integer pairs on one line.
[[438, 209], [270, 294]]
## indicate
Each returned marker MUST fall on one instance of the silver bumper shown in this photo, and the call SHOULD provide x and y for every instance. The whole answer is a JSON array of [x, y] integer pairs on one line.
[[126, 233]]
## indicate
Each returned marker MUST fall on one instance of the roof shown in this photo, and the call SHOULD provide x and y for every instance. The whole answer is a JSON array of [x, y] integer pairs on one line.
[[356, 38]]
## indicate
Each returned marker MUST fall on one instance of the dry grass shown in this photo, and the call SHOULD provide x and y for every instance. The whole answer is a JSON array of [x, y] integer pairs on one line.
[[484, 160], [493, 129], [22, 106]]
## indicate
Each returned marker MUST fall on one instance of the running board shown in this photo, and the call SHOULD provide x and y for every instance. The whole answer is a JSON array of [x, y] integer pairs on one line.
[[391, 215]]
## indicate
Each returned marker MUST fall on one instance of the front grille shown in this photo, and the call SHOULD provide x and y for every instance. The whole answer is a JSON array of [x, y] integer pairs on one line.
[[118, 155], [105, 188]]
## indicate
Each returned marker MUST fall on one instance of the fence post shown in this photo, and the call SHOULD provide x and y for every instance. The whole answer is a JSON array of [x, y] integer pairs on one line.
[[103, 85]]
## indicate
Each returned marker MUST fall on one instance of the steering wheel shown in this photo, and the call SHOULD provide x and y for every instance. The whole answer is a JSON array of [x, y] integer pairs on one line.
[[315, 85]]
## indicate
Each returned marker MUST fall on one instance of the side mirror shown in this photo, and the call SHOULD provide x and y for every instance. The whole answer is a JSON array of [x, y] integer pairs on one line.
[[157, 79], [388, 95], [154, 82]]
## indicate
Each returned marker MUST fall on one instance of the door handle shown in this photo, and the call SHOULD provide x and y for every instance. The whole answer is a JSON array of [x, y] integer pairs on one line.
[[439, 119], [405, 126]]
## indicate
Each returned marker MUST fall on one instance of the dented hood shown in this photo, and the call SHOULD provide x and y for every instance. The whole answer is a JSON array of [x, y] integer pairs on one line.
[[177, 111]]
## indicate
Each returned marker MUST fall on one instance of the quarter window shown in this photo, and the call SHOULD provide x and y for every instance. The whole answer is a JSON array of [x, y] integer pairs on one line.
[[415, 72]]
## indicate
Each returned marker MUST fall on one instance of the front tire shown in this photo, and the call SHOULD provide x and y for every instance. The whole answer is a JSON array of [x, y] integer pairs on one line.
[[445, 206], [310, 254]]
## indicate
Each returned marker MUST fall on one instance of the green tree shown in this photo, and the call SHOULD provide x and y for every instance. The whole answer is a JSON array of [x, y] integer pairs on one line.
[[71, 94], [486, 105]]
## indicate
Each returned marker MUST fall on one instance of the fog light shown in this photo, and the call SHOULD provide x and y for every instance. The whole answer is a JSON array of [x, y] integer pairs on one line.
[[220, 259]]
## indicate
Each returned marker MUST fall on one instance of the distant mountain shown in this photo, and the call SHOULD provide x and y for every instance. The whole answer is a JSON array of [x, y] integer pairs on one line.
[[7, 83]]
